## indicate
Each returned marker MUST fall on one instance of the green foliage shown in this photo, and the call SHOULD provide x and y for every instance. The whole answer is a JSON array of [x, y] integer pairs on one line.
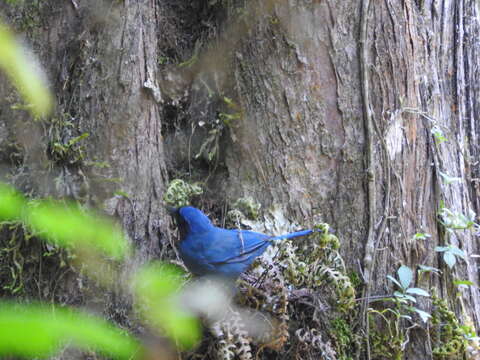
[[421, 236], [456, 221], [450, 254], [15, 253], [248, 207], [11, 203], [227, 116], [70, 226], [387, 330], [343, 337], [70, 151], [232, 114], [34, 331], [244, 211], [210, 145], [438, 134], [318, 264], [179, 192], [155, 286], [387, 333], [39, 330], [355, 279], [386, 338], [405, 275], [450, 339], [63, 225], [422, 269], [405, 296], [324, 238], [453, 221], [24, 74], [463, 283], [190, 62]]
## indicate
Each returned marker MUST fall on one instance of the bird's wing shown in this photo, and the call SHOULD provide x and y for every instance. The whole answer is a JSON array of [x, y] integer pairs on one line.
[[233, 246]]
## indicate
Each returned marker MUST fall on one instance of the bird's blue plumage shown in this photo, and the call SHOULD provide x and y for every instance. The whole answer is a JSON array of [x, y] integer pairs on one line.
[[209, 250]]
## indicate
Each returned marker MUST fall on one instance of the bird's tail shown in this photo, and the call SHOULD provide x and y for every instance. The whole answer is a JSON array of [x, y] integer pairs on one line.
[[291, 235]]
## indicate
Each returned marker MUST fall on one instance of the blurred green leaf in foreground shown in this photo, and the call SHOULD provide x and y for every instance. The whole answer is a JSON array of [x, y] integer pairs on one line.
[[16, 62], [68, 225], [11, 203], [40, 330], [155, 286], [63, 225]]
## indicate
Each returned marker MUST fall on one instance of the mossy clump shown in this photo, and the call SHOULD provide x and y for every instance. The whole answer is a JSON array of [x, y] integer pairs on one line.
[[179, 192], [20, 256], [248, 207], [70, 152], [343, 337], [385, 343], [244, 213], [355, 279], [449, 337], [318, 264], [324, 238]]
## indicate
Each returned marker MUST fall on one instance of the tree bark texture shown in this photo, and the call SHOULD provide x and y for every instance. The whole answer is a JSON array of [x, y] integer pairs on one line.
[[340, 107]]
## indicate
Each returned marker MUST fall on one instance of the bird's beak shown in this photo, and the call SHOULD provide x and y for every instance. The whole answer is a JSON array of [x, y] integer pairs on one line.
[[171, 210]]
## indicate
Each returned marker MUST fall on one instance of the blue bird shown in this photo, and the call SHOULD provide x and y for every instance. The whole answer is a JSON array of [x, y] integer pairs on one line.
[[209, 250]]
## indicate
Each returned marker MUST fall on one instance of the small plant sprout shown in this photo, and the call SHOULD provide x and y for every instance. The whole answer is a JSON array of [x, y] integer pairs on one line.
[[463, 284], [428, 269], [421, 236], [450, 254], [405, 295], [438, 134], [422, 269]]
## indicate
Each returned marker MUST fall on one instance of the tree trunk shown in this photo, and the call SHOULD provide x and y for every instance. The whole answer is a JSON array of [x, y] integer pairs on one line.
[[358, 114]]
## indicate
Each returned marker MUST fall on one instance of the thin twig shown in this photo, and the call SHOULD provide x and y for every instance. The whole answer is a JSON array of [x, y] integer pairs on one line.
[[368, 115]]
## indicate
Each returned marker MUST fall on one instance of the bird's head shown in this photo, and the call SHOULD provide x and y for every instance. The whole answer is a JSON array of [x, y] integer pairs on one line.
[[190, 219]]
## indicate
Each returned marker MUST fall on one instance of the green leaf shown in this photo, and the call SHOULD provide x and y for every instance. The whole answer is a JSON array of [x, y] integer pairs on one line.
[[424, 268], [391, 278], [449, 259], [69, 226], [463, 283], [25, 75], [456, 251], [77, 139], [417, 291], [157, 287], [441, 248], [11, 203], [405, 275], [403, 296], [121, 193], [63, 225], [421, 236], [438, 134], [410, 298], [456, 221], [423, 314], [38, 331]]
